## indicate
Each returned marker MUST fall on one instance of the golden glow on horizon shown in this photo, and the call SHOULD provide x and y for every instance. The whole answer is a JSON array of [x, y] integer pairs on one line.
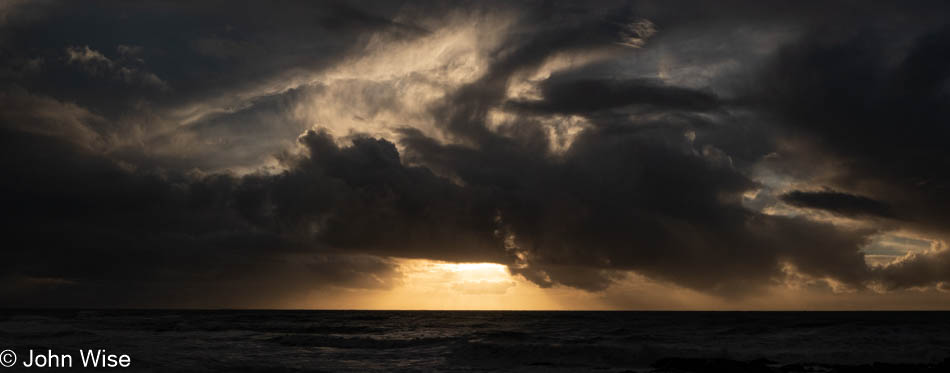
[[431, 284], [436, 285]]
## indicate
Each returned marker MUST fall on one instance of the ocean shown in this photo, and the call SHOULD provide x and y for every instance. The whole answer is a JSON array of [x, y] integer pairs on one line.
[[486, 341]]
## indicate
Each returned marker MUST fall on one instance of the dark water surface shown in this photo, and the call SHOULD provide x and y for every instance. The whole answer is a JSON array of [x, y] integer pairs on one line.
[[366, 341]]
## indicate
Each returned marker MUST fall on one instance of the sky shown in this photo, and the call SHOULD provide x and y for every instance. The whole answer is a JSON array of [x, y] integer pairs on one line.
[[475, 154]]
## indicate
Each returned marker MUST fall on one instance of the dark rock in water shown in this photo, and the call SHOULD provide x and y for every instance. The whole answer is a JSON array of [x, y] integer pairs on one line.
[[885, 368], [683, 365], [716, 365]]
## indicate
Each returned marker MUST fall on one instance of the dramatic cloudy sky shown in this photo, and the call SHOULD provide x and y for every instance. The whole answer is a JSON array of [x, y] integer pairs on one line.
[[476, 154]]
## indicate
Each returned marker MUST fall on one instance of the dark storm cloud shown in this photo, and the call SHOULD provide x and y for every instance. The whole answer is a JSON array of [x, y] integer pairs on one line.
[[885, 118], [83, 230], [591, 96], [606, 206], [623, 196], [917, 270], [654, 182], [79, 224], [146, 67], [199, 49], [839, 203], [872, 105], [93, 219], [362, 198]]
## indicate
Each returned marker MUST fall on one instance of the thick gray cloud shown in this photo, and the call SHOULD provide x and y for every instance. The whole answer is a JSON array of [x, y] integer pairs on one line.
[[637, 151]]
